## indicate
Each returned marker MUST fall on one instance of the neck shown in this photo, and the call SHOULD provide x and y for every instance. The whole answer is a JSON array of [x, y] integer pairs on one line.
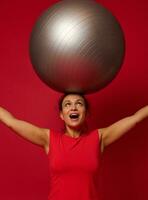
[[73, 132]]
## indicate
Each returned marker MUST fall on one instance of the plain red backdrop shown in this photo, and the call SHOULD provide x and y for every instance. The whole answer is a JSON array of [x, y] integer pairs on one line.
[[23, 165]]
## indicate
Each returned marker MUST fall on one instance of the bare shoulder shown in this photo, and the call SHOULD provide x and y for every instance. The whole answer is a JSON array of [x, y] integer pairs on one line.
[[47, 139]]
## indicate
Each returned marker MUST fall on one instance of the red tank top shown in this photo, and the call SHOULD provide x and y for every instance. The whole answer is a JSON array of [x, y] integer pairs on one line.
[[74, 166]]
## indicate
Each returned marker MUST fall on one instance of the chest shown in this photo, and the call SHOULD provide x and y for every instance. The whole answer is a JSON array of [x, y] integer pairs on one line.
[[74, 156]]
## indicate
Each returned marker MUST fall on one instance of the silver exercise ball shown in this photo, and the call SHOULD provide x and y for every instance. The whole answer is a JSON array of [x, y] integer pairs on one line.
[[77, 46]]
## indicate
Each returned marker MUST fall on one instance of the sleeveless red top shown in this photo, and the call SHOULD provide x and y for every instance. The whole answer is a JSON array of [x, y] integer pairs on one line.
[[74, 166]]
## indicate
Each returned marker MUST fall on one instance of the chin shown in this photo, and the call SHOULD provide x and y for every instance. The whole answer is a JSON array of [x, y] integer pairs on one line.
[[76, 126]]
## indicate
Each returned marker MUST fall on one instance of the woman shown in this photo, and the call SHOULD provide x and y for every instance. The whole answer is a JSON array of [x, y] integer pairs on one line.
[[74, 155]]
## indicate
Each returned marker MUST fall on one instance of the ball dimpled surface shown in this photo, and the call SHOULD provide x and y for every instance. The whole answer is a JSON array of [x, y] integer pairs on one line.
[[77, 46]]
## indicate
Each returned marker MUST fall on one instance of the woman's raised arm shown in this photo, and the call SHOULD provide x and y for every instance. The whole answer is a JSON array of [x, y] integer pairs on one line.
[[32, 133], [119, 128]]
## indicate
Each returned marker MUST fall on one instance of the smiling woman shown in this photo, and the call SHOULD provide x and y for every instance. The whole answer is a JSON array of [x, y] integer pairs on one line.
[[75, 155], [73, 114], [73, 110]]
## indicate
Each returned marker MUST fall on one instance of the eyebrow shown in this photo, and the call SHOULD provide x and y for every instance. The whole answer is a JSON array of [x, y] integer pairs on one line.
[[66, 101], [70, 101], [80, 100]]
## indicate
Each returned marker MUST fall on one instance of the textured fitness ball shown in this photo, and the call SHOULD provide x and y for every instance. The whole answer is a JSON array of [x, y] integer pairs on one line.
[[77, 46]]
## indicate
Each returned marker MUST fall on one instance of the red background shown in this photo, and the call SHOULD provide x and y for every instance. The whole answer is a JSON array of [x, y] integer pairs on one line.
[[23, 165]]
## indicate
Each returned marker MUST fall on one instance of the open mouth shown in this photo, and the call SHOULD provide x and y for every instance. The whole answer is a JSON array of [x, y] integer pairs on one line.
[[74, 116]]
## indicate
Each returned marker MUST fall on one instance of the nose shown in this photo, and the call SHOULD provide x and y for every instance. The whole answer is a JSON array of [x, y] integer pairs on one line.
[[73, 107]]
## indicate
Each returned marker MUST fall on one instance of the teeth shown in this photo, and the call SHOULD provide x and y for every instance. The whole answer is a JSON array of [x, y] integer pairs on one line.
[[74, 115]]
